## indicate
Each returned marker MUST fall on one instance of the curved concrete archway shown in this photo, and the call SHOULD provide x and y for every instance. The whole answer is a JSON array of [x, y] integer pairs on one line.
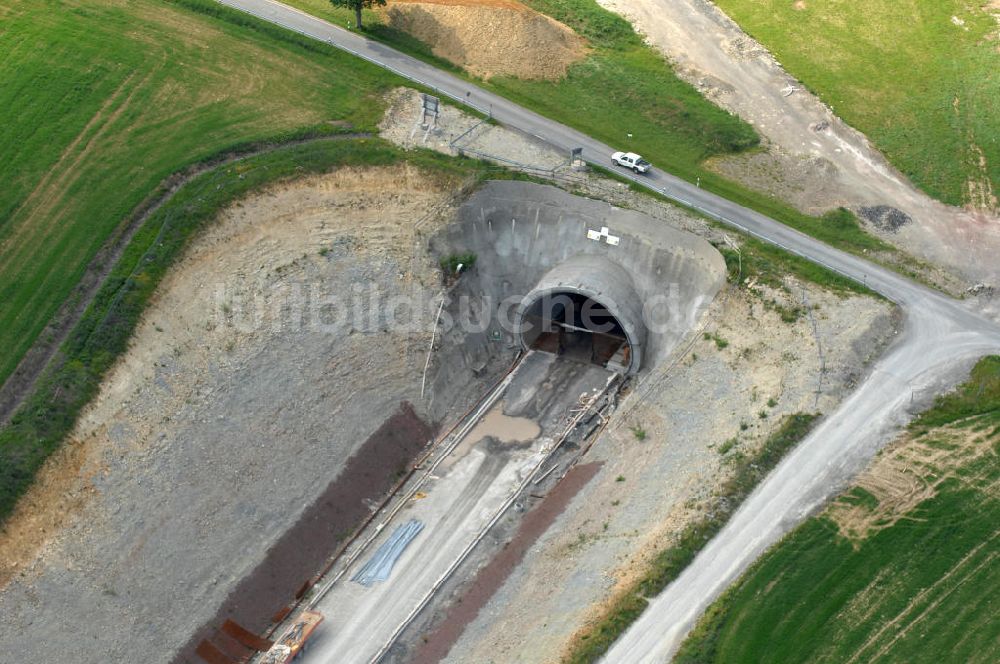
[[654, 280], [590, 302]]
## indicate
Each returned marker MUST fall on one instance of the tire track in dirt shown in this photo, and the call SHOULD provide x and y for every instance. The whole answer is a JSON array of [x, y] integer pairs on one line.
[[920, 596]]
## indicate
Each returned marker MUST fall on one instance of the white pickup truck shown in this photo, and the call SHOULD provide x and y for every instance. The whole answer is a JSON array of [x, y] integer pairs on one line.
[[630, 160]]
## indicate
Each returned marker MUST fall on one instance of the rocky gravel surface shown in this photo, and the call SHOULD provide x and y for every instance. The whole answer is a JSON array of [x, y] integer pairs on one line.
[[457, 132], [884, 217]]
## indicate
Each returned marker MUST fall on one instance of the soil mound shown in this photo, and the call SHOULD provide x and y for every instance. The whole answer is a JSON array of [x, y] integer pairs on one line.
[[490, 37]]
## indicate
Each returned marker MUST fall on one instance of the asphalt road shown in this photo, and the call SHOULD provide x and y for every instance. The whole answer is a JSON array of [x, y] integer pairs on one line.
[[940, 339]]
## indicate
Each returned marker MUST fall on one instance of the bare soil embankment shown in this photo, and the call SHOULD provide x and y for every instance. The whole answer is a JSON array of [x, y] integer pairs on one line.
[[304, 548], [490, 37], [270, 355]]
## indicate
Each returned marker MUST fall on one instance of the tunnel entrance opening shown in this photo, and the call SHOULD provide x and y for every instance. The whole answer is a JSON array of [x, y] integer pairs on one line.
[[578, 327]]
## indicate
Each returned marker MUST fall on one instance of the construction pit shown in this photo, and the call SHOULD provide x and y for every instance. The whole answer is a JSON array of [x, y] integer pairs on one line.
[[542, 256], [308, 383]]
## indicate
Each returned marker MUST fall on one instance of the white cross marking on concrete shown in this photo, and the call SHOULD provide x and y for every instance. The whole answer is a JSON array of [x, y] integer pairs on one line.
[[603, 234]]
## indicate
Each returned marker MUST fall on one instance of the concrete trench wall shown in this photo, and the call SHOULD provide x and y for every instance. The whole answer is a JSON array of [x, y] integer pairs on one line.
[[529, 238]]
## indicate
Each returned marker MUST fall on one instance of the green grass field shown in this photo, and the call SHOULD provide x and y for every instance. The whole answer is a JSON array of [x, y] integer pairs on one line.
[[101, 100], [918, 588], [925, 90]]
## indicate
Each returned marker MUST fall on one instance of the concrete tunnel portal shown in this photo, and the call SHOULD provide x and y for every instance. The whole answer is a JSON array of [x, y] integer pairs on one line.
[[585, 309], [589, 281]]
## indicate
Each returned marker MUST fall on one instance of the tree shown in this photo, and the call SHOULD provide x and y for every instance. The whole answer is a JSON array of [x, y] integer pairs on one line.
[[357, 5]]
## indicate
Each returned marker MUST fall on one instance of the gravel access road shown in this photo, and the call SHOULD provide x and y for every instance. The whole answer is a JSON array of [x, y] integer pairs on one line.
[[940, 339]]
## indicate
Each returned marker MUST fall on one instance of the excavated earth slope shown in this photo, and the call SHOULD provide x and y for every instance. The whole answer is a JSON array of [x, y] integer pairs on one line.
[[261, 375], [492, 37]]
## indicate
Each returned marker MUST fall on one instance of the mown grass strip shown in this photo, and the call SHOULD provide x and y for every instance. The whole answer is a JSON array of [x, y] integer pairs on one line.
[[748, 471], [102, 335], [768, 264]]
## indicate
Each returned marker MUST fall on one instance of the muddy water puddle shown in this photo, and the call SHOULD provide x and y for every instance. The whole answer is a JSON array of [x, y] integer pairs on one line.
[[504, 429]]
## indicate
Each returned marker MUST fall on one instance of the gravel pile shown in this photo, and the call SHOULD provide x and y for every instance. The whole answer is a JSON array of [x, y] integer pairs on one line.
[[884, 217]]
